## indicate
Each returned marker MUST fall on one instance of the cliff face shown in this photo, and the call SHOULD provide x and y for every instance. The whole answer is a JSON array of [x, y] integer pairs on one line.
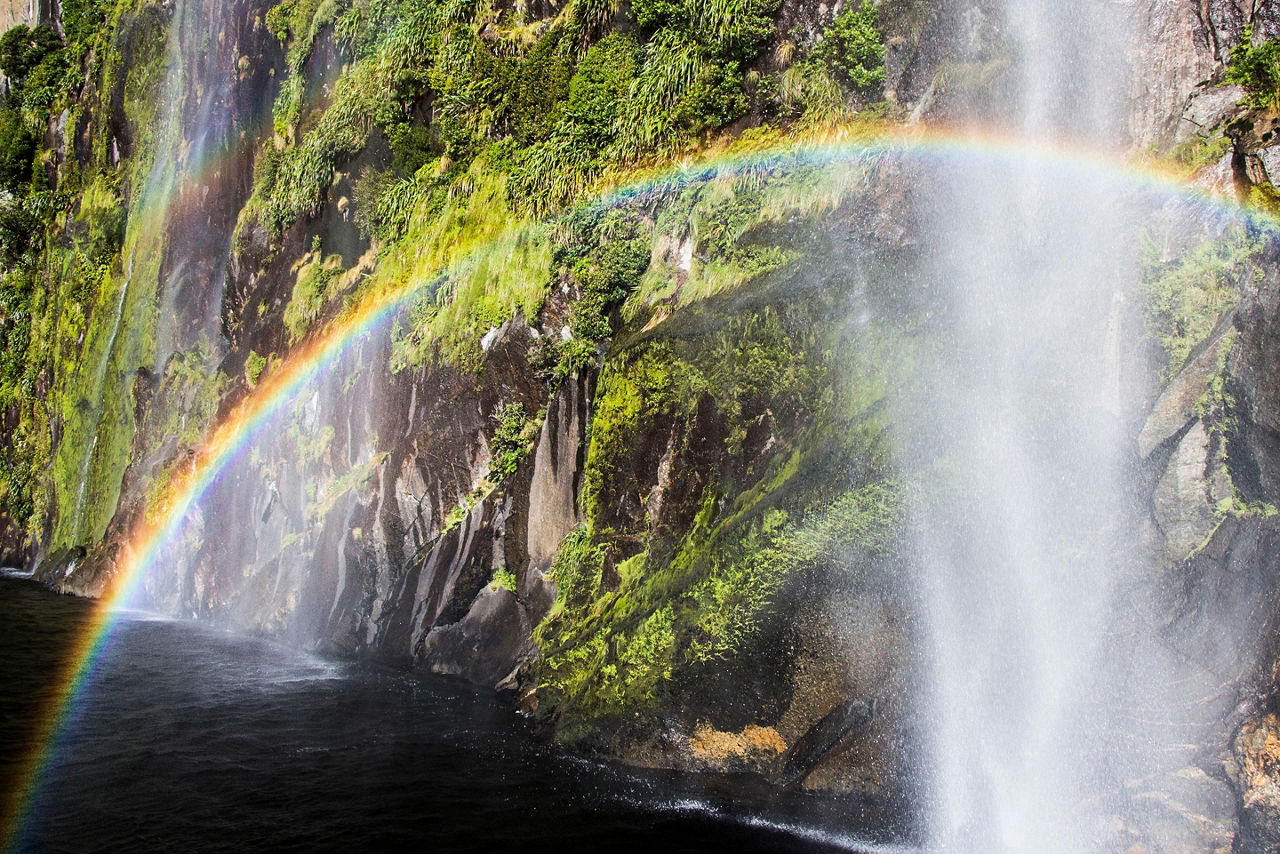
[[629, 460]]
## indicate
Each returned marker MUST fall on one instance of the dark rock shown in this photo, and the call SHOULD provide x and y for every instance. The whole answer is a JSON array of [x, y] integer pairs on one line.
[[826, 734]]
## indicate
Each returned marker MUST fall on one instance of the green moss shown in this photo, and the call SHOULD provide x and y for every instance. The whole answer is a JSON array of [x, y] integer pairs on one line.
[[312, 289], [612, 652], [352, 479], [475, 263], [644, 608], [748, 570], [1199, 151]]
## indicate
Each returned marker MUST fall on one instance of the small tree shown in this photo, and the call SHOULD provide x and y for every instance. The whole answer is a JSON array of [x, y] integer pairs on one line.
[[1257, 69]]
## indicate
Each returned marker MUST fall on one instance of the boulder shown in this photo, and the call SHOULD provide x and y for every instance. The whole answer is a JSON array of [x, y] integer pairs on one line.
[[1181, 502], [1176, 406]]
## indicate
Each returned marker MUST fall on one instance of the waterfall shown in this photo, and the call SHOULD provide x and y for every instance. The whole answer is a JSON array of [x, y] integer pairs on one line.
[[187, 179], [1020, 438]]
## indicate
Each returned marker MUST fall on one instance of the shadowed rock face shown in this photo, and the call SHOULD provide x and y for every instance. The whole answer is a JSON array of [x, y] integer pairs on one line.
[[835, 726]]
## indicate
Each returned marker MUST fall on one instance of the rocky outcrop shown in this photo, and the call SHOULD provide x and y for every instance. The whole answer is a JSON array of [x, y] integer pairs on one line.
[[1256, 755], [1176, 51], [1179, 53]]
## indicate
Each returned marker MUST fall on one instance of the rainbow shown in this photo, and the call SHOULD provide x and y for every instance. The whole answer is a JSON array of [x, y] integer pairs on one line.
[[243, 424]]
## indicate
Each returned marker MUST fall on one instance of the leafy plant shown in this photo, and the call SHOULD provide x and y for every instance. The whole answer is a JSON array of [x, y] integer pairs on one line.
[[253, 366], [853, 47], [1256, 68], [512, 441], [23, 48], [504, 579], [1186, 296]]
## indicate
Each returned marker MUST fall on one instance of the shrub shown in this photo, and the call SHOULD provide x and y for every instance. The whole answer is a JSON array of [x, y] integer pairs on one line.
[[253, 365], [853, 48], [17, 146], [512, 441], [23, 48], [606, 277], [1257, 69]]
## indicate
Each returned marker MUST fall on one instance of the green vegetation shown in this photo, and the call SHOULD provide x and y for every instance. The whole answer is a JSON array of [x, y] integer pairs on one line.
[[1257, 69], [1200, 151], [75, 328], [312, 289], [645, 603], [470, 135], [854, 47], [748, 572], [606, 273], [512, 440], [1218, 408], [1186, 296], [504, 579], [253, 365]]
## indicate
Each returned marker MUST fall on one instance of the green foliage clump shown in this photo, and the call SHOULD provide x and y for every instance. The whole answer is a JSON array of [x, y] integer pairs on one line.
[[22, 456], [410, 147], [748, 570], [853, 47], [607, 652], [512, 440], [23, 49], [504, 579], [17, 147], [1186, 296], [19, 234], [558, 165], [83, 20], [476, 261], [1256, 68], [312, 289], [606, 277], [611, 667], [535, 102], [1200, 151], [639, 388], [253, 367]]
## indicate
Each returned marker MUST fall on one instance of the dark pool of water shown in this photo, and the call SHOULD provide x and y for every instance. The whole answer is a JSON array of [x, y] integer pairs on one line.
[[191, 739]]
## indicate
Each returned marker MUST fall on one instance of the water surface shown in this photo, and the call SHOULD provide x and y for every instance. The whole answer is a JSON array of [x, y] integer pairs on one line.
[[193, 739]]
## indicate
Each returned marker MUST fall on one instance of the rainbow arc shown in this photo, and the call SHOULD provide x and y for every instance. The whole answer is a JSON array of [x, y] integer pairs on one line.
[[242, 426]]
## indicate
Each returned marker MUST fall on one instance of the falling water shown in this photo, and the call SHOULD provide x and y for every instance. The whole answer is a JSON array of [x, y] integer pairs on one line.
[[100, 379], [1021, 441], [195, 119], [188, 180]]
